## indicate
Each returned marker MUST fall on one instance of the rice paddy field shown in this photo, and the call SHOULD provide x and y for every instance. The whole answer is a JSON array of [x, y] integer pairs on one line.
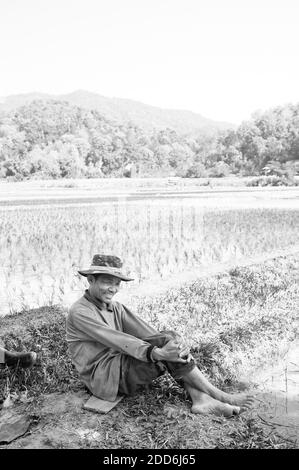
[[42, 247], [235, 320]]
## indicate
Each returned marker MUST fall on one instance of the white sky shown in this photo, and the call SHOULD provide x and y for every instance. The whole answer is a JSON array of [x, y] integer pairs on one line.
[[221, 58]]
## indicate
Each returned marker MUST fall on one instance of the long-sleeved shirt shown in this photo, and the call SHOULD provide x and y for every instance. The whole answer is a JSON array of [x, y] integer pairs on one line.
[[2, 355], [97, 336]]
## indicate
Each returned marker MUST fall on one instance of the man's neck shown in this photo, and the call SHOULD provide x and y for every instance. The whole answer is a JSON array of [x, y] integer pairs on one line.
[[98, 302]]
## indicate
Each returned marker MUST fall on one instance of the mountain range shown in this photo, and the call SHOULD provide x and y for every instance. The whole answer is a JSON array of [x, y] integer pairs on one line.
[[125, 110]]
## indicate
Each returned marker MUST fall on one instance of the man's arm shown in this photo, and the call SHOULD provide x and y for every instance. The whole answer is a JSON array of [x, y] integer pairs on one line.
[[135, 326], [175, 350], [88, 323]]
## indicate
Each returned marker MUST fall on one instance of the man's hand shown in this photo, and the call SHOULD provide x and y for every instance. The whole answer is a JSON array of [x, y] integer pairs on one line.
[[181, 342], [173, 351]]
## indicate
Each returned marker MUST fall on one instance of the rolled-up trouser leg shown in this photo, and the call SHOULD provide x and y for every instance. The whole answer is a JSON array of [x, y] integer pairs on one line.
[[135, 373]]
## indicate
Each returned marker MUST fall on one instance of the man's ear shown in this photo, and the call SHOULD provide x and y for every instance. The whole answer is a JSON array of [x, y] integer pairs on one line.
[[90, 279]]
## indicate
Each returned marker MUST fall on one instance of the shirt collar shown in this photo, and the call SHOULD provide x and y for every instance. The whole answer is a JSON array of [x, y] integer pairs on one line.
[[98, 303]]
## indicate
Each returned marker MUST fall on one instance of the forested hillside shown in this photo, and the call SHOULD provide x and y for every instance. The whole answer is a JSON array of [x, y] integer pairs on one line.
[[124, 111], [54, 139]]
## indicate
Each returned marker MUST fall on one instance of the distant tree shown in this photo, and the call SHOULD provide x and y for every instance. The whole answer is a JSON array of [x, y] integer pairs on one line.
[[276, 168], [44, 162], [181, 157], [13, 154], [196, 171], [219, 169]]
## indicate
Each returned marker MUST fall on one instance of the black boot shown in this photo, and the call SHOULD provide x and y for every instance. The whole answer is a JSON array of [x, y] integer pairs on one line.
[[23, 360]]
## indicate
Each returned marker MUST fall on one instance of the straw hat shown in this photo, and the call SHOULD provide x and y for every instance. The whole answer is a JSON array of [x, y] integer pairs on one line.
[[105, 264]]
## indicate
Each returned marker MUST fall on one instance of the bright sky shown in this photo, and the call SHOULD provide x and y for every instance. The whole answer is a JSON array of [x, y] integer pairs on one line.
[[221, 58]]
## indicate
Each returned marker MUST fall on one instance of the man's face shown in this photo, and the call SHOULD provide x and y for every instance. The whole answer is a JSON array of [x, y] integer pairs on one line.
[[104, 287]]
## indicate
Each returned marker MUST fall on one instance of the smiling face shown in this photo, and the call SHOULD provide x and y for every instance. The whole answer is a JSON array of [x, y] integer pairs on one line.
[[103, 287]]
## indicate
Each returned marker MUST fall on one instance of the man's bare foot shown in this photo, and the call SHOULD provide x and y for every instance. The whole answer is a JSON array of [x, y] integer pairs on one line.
[[204, 404], [239, 399], [195, 379]]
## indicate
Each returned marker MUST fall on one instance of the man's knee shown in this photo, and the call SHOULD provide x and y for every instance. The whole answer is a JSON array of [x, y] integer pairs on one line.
[[171, 335], [162, 338]]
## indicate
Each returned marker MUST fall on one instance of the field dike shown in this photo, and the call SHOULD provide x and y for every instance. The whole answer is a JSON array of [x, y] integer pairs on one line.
[[234, 321]]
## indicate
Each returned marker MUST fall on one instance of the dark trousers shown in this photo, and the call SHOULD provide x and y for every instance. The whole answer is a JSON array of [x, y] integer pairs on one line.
[[135, 373]]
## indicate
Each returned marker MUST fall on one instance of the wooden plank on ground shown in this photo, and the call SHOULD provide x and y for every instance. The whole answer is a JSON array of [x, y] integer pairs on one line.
[[101, 406]]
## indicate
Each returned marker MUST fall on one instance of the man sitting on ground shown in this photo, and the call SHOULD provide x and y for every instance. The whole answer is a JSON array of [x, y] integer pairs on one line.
[[115, 352]]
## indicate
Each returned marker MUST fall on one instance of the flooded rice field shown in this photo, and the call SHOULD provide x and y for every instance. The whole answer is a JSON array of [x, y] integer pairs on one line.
[[44, 243], [278, 390]]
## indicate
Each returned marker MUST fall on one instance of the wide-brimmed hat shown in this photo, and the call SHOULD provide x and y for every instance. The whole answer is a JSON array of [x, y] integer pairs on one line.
[[106, 264]]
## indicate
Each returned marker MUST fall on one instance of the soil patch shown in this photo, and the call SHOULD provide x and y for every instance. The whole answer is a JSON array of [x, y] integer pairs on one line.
[[158, 418]]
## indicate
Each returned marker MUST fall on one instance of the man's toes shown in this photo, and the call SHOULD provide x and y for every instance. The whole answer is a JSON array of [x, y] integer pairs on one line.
[[236, 410], [245, 400], [249, 397], [247, 406], [227, 410], [33, 358], [249, 401]]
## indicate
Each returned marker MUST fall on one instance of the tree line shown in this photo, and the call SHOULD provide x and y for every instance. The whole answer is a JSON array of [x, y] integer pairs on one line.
[[55, 139]]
